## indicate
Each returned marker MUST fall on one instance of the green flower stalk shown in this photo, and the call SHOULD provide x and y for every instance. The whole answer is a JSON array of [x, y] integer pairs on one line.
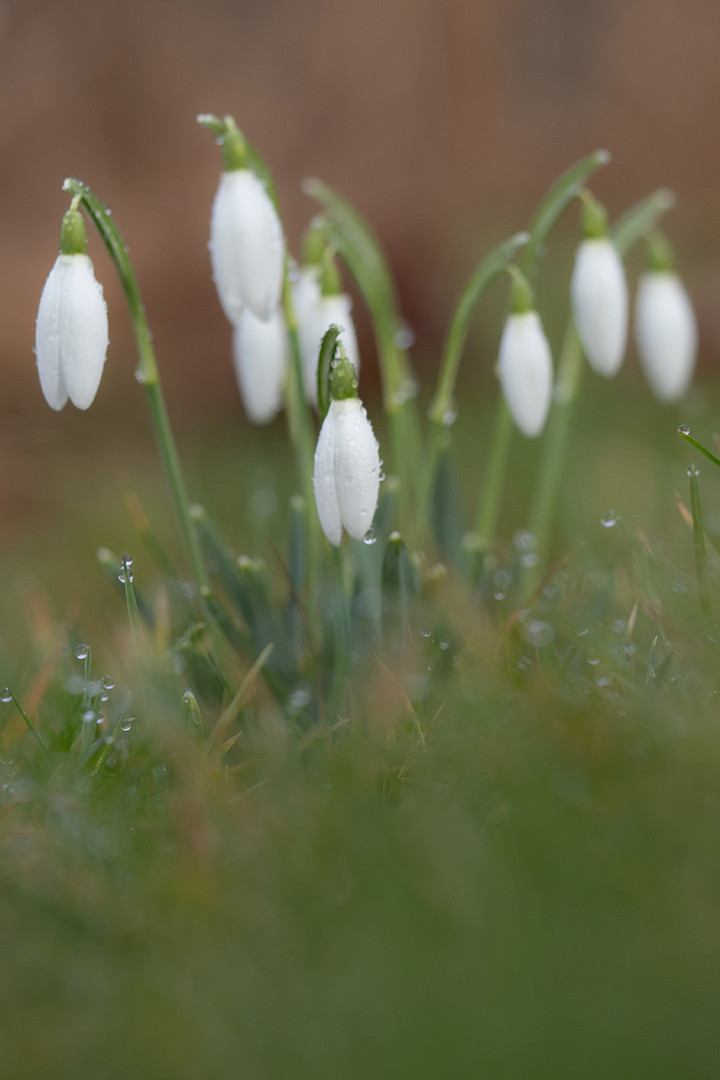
[[147, 372]]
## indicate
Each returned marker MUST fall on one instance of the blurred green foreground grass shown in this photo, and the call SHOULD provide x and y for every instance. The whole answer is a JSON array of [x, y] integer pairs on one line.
[[501, 861]]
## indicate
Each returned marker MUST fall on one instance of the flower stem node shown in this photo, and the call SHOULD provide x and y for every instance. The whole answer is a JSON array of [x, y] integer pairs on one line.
[[71, 331], [525, 370], [247, 246], [346, 477], [260, 358], [599, 299], [665, 333]]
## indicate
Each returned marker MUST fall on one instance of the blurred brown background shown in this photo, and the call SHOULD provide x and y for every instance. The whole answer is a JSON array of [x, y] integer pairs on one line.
[[443, 120]]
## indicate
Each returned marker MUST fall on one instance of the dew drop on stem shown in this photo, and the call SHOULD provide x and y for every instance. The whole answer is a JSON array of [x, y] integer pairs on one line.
[[5, 695], [82, 652]]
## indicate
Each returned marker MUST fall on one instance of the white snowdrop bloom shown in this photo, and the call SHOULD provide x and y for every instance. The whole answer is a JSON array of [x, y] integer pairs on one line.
[[599, 297], [71, 333], [329, 310], [260, 358], [247, 246], [346, 477], [525, 370], [666, 334]]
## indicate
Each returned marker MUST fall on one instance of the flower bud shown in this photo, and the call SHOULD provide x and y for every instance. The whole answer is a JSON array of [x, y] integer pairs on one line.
[[260, 358], [665, 333], [346, 477], [71, 333], [525, 370], [247, 246], [598, 294]]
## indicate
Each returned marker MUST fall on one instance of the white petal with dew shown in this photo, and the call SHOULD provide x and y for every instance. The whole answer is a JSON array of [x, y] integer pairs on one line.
[[666, 334], [83, 328], [247, 246], [525, 369], [598, 293], [260, 357], [357, 466], [324, 481], [47, 340]]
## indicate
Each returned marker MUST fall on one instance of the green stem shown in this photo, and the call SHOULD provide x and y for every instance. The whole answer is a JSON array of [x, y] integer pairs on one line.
[[489, 507], [699, 543], [147, 372], [300, 429], [442, 408]]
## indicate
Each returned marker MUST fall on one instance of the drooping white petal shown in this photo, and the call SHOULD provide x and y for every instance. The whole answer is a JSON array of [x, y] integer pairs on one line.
[[247, 247], [328, 310], [357, 466], [666, 334], [260, 356], [47, 340], [71, 333], [324, 481], [83, 330], [525, 370], [598, 293]]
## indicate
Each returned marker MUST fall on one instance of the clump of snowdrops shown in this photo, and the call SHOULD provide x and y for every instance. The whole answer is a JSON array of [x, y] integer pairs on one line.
[[379, 797], [371, 547]]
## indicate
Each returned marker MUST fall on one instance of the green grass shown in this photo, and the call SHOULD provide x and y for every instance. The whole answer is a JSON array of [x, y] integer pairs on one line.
[[497, 857]]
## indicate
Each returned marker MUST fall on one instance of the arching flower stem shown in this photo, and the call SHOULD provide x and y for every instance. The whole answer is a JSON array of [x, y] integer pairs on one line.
[[147, 372]]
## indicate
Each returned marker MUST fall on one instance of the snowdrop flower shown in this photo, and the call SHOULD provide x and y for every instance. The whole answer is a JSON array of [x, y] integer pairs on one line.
[[665, 328], [247, 246], [260, 358], [346, 477], [71, 331], [322, 305], [525, 363], [598, 294]]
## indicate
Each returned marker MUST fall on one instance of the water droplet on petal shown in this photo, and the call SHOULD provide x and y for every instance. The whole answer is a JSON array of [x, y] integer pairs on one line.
[[370, 537]]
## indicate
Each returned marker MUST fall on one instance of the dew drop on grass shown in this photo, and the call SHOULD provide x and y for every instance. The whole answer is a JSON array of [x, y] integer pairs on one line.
[[609, 519], [5, 695], [692, 470], [89, 716], [426, 630], [449, 417], [82, 652], [370, 537], [107, 682], [126, 571], [684, 429], [127, 724]]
